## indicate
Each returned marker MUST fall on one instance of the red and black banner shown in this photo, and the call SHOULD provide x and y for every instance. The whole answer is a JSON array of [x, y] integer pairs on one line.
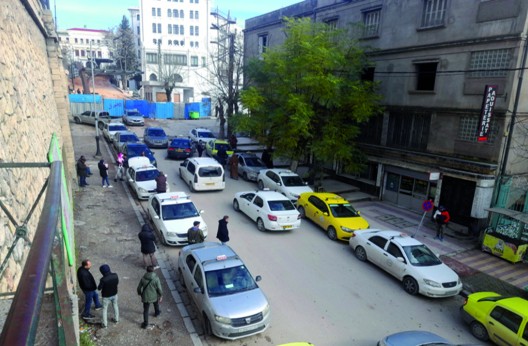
[[488, 104]]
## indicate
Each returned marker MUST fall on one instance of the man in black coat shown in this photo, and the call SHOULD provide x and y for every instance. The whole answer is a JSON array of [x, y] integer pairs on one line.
[[223, 232], [89, 287], [108, 287], [148, 246]]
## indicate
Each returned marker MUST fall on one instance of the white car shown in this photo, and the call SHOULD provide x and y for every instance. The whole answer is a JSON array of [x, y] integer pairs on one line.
[[410, 261], [283, 181], [133, 117], [110, 129], [269, 209], [201, 135], [141, 175], [172, 214]]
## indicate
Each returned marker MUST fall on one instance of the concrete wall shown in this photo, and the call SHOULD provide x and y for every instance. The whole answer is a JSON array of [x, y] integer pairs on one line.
[[33, 106]]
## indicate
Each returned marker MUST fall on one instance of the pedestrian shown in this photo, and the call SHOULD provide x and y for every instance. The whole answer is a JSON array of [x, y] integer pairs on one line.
[[221, 155], [195, 234], [267, 157], [441, 217], [161, 183], [150, 290], [233, 141], [82, 171], [148, 246], [108, 287], [233, 166], [89, 287], [103, 171], [223, 232], [125, 162], [199, 148], [78, 91], [120, 169]]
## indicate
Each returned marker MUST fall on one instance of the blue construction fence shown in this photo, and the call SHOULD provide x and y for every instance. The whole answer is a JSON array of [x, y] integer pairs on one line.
[[157, 110]]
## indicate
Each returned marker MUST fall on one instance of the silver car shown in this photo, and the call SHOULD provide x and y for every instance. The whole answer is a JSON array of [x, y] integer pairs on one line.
[[229, 301], [133, 117], [249, 166]]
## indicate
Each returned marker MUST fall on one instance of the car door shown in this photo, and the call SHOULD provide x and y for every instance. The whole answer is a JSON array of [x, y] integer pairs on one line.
[[198, 282], [375, 247], [245, 202], [392, 262], [256, 208], [318, 208], [154, 209], [503, 326], [241, 165], [272, 181], [131, 178]]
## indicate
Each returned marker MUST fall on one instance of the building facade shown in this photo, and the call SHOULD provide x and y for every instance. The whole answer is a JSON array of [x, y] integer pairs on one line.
[[77, 42], [433, 60]]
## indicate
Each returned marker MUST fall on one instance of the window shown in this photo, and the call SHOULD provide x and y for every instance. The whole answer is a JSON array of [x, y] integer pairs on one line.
[[153, 77], [75, 40], [196, 44], [182, 43], [137, 17], [175, 13], [490, 63], [76, 52], [155, 41], [159, 12], [152, 58], [169, 13], [181, 13], [394, 250], [371, 22], [170, 59], [99, 54], [468, 127], [509, 319], [195, 1], [82, 41], [170, 43], [196, 30], [331, 23], [83, 53], [426, 76], [192, 30], [191, 14], [169, 28], [409, 130], [175, 28], [262, 43], [378, 241], [195, 14], [434, 12], [203, 59], [194, 61], [154, 27], [137, 30], [181, 30], [181, 59], [153, 11], [159, 28], [192, 43]]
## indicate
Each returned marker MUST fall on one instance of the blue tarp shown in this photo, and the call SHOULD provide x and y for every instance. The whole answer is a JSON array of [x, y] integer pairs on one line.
[[115, 107], [142, 106], [191, 107], [205, 109], [163, 110], [83, 98]]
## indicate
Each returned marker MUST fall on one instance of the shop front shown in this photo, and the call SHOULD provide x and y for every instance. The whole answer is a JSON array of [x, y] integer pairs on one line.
[[507, 234], [407, 188]]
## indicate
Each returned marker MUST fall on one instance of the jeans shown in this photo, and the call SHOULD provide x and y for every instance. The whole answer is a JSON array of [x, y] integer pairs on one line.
[[146, 307], [106, 302], [105, 180], [82, 181], [119, 173], [440, 228], [89, 296]]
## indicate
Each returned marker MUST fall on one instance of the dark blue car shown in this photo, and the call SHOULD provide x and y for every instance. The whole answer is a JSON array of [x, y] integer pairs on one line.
[[180, 149], [139, 149]]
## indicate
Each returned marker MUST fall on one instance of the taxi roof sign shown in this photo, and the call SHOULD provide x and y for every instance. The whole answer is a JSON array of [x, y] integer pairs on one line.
[[221, 257]]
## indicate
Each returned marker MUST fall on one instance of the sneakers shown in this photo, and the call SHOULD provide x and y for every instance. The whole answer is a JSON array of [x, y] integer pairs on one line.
[[104, 186], [88, 317], [115, 321], [97, 308], [103, 326], [110, 186], [147, 326], [156, 267], [157, 314]]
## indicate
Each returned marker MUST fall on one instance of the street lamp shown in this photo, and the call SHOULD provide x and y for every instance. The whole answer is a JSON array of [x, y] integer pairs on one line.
[[92, 59]]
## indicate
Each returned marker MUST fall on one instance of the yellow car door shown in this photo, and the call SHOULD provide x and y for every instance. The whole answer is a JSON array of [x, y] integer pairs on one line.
[[503, 326]]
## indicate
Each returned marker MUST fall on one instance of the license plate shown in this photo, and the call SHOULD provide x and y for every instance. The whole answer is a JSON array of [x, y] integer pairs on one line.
[[209, 184], [179, 150], [287, 226]]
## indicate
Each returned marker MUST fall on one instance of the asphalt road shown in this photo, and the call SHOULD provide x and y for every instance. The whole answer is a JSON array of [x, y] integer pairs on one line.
[[319, 292]]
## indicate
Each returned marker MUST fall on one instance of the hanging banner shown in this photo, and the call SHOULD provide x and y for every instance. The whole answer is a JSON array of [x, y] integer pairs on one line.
[[488, 104]]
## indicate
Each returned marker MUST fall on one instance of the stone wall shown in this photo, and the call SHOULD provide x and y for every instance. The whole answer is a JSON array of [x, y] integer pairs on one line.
[[33, 106]]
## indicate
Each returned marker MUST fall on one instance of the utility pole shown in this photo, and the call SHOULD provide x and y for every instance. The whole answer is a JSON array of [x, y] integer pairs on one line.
[[230, 82], [96, 113]]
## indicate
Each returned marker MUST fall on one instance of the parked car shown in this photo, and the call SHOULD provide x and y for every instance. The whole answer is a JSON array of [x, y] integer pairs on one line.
[[332, 213], [133, 117], [229, 300], [172, 214], [415, 338], [110, 129], [155, 137], [202, 173], [201, 135], [141, 175], [249, 166], [90, 117], [407, 259], [283, 181], [269, 209], [500, 319], [139, 149], [120, 138], [180, 148]]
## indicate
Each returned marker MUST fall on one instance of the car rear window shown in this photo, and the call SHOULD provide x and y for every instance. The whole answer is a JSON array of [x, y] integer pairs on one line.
[[280, 205], [210, 171], [156, 133], [116, 128], [292, 181], [181, 143], [203, 134], [128, 138]]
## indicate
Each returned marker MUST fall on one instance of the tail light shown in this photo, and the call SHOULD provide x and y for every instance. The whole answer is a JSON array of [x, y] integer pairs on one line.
[[187, 150], [171, 149], [195, 178], [223, 177], [272, 217]]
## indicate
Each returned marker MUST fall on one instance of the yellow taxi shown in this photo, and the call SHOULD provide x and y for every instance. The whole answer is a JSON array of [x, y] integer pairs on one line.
[[500, 319], [212, 147], [332, 213]]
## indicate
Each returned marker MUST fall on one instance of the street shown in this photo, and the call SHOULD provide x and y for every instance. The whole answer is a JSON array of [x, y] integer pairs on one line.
[[319, 292]]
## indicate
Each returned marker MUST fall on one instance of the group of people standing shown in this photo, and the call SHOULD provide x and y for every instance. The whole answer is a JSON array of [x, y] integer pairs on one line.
[[83, 170]]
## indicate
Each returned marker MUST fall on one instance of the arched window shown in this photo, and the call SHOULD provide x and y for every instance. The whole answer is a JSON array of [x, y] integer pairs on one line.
[[153, 77], [177, 78]]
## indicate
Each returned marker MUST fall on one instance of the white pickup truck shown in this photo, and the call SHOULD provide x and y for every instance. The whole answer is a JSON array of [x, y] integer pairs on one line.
[[88, 117]]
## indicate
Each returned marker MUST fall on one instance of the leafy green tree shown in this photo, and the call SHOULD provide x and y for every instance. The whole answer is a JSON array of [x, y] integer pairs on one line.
[[307, 97]]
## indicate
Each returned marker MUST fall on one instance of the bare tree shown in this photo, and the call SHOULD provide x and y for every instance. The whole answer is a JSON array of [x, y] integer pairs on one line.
[[169, 71]]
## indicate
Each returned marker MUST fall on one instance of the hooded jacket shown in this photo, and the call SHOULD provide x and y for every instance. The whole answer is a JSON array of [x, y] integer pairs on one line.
[[147, 239], [223, 233], [149, 288], [103, 170], [108, 283]]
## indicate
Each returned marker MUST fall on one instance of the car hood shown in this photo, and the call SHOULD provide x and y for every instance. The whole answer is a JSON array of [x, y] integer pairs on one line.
[[439, 273], [239, 305], [297, 190], [353, 222], [148, 185], [181, 226]]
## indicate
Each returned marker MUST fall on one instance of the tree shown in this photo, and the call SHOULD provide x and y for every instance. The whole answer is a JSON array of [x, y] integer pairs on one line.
[[123, 50], [169, 72], [307, 97]]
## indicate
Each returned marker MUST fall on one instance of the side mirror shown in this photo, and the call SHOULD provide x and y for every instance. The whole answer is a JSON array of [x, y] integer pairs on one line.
[[130, 180], [400, 259], [258, 278], [198, 290], [156, 217], [279, 184], [325, 213], [201, 211], [182, 164]]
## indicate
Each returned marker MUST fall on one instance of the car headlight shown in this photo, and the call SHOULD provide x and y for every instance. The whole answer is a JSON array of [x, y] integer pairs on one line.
[[172, 234], [252, 174], [222, 319], [266, 310], [432, 283], [346, 229], [142, 190]]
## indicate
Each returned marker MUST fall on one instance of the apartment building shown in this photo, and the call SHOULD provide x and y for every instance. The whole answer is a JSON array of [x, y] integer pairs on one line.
[[434, 59], [77, 41]]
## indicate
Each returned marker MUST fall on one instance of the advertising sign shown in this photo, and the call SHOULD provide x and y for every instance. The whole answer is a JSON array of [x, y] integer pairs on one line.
[[488, 104]]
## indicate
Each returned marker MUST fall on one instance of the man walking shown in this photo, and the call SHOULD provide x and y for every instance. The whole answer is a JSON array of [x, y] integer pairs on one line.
[[150, 290], [161, 183], [148, 246], [223, 232], [108, 287], [195, 234], [89, 288], [441, 217]]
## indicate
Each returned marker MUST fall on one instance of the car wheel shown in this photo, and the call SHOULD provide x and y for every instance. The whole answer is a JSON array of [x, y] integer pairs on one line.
[[360, 253], [77, 120], [162, 239], [181, 176], [302, 212], [208, 331], [479, 331], [235, 205], [410, 285], [245, 177], [332, 234], [101, 126], [191, 187], [260, 185], [180, 277], [260, 225]]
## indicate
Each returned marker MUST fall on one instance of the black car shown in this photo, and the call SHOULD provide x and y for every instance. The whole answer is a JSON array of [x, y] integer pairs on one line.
[[180, 149]]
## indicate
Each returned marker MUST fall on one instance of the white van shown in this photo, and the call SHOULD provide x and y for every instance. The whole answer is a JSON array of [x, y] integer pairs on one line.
[[202, 173]]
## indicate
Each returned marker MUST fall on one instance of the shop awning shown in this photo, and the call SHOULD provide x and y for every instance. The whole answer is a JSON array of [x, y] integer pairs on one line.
[[517, 215]]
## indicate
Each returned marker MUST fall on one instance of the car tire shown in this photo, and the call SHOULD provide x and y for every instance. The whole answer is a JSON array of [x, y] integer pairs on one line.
[[260, 225], [208, 331], [235, 205], [479, 331], [302, 212], [162, 238], [410, 285], [260, 185], [101, 126], [191, 187], [77, 120], [245, 177], [360, 253], [180, 277], [331, 233]]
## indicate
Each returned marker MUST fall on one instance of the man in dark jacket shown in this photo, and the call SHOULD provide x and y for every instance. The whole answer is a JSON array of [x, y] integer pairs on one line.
[[161, 183], [195, 234], [150, 290], [108, 287], [89, 287], [82, 171], [148, 246], [223, 232]]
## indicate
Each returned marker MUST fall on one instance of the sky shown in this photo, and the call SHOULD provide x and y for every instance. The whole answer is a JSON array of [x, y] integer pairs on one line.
[[105, 14]]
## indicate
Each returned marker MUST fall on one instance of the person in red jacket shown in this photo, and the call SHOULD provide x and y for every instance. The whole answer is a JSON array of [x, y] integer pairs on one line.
[[441, 217]]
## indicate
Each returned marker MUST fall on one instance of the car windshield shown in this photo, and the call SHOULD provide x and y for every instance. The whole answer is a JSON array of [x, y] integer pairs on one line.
[[254, 162], [133, 114], [210, 172], [203, 134], [179, 143], [343, 210], [224, 146], [147, 175], [293, 180], [134, 151], [116, 128], [128, 138], [179, 211], [156, 133], [229, 281], [280, 205], [421, 256]]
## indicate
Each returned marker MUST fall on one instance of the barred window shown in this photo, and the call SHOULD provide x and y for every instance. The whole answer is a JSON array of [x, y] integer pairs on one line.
[[175, 29], [434, 12], [371, 22], [191, 14], [175, 13], [169, 13], [196, 31], [152, 58], [196, 15], [154, 27], [154, 11], [159, 12], [490, 63], [170, 59], [194, 60], [468, 127], [169, 28], [192, 30]]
